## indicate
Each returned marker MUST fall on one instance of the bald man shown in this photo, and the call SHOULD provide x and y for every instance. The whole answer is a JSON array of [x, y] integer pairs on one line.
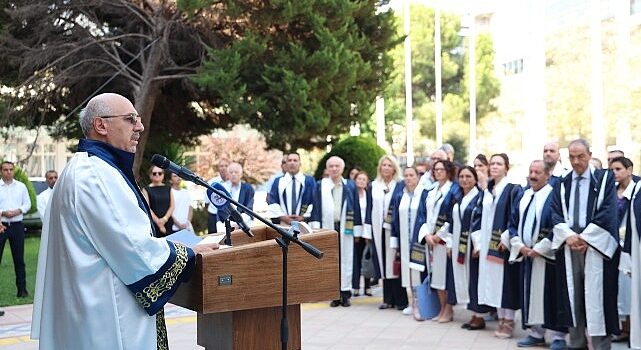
[[98, 245]]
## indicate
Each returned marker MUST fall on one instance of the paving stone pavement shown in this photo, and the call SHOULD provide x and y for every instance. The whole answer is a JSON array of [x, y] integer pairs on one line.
[[361, 326]]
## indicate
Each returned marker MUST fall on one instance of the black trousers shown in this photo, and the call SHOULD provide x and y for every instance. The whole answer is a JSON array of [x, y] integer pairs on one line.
[[394, 293], [359, 247], [14, 232], [211, 223]]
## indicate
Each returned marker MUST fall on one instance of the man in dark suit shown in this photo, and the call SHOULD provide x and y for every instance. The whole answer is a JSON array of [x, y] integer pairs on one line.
[[585, 237], [239, 190]]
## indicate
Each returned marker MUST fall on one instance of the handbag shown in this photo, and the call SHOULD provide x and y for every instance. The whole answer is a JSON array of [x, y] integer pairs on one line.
[[396, 267], [427, 300], [367, 262]]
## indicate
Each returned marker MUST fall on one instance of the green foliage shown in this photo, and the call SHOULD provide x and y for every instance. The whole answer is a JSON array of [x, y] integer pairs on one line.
[[199, 220], [8, 278], [355, 151], [172, 150], [302, 69], [460, 145], [454, 75]]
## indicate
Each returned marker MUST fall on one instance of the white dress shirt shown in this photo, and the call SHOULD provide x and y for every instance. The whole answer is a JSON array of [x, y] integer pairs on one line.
[[41, 200], [14, 195], [583, 196]]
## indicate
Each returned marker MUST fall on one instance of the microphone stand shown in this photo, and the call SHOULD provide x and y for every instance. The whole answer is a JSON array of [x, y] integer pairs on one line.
[[228, 230], [286, 237]]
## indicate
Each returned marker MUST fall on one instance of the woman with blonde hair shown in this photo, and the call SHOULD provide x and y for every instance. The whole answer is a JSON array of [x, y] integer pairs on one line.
[[378, 227]]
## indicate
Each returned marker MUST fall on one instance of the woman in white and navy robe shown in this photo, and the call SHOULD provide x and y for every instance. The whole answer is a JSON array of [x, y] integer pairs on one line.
[[498, 284], [435, 232], [408, 219], [378, 228], [465, 266]]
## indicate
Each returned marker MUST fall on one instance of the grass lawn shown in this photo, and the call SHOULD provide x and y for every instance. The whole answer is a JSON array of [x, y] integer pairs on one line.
[[8, 278]]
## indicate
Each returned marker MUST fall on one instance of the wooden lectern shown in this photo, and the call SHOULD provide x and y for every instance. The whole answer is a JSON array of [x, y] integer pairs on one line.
[[237, 292]]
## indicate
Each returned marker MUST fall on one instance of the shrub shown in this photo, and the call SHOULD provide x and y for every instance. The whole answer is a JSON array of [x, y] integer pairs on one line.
[[359, 151]]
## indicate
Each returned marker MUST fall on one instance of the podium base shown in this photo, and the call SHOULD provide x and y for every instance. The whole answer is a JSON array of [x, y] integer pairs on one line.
[[248, 329]]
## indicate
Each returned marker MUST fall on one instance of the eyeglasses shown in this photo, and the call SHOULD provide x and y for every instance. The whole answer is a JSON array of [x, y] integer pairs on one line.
[[132, 118], [156, 173]]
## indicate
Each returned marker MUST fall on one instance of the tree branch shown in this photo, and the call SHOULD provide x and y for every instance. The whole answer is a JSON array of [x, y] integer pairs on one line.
[[171, 77]]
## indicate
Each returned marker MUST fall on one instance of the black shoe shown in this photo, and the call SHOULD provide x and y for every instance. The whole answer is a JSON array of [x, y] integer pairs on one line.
[[401, 308], [368, 292], [346, 302], [22, 293], [1, 312], [335, 303], [385, 306]]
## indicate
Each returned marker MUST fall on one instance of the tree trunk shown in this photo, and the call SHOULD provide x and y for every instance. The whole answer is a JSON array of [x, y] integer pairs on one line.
[[146, 94]]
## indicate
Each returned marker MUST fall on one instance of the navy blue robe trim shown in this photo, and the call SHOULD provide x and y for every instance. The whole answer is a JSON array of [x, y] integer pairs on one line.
[[153, 291], [605, 218], [122, 161]]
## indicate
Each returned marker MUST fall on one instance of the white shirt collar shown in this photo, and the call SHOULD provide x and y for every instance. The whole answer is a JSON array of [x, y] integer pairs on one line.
[[586, 174]]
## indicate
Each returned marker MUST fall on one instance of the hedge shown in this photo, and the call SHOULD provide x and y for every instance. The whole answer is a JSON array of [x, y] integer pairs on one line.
[[359, 151]]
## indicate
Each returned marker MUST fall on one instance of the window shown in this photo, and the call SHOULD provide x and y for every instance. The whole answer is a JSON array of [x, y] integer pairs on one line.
[[513, 67]]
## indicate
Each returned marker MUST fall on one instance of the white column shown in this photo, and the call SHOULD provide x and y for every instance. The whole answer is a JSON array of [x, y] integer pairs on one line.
[[472, 82], [409, 123], [534, 134], [623, 130], [596, 82], [437, 74]]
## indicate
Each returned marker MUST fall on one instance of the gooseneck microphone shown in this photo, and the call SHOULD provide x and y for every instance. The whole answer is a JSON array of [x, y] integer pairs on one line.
[[217, 194], [222, 204]]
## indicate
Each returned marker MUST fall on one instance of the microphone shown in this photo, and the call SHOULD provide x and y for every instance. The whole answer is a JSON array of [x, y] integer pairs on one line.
[[219, 197], [164, 163], [221, 203]]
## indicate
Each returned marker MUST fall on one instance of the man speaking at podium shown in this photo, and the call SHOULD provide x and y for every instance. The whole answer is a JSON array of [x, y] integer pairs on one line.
[[103, 277]]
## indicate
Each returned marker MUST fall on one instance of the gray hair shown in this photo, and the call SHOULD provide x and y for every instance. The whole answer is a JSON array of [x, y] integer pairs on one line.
[[546, 170], [447, 148], [581, 142], [96, 107], [340, 160]]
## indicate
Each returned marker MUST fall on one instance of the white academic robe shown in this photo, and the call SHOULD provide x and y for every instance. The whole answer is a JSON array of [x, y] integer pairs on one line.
[[433, 203], [490, 285], [601, 254], [406, 231], [623, 298], [42, 200], [461, 272], [535, 314], [379, 230], [631, 265], [96, 240], [346, 236]]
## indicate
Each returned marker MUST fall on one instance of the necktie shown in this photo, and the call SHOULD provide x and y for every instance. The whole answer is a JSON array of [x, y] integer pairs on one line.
[[577, 204], [294, 197], [529, 224], [409, 217]]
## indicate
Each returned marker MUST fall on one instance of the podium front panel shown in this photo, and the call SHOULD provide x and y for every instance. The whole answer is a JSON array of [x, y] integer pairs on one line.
[[249, 275]]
